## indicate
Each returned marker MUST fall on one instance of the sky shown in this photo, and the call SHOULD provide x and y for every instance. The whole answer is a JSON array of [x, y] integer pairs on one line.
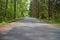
[[28, 4]]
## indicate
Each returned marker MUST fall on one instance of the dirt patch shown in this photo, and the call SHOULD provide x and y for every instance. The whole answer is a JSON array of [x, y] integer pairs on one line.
[[7, 26]]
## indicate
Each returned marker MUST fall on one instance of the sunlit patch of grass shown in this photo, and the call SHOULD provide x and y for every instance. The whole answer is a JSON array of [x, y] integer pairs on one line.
[[3, 23]]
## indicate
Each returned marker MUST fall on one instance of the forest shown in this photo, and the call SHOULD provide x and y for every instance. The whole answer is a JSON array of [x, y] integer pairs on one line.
[[12, 10]]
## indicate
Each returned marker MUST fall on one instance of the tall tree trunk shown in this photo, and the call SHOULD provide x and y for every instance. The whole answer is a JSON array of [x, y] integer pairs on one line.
[[56, 10], [38, 8], [0, 4], [6, 9], [1, 17], [14, 8], [30, 9], [22, 14], [49, 10], [34, 8]]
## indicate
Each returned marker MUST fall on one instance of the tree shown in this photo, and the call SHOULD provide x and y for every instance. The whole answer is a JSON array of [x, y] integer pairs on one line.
[[0, 5], [14, 8], [34, 8], [6, 9]]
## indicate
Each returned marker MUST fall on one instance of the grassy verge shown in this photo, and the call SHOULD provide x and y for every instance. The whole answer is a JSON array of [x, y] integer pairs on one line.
[[54, 22], [11, 20]]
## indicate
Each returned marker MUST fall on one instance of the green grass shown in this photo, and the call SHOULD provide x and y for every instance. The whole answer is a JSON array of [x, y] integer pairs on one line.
[[54, 22], [10, 20], [3, 23]]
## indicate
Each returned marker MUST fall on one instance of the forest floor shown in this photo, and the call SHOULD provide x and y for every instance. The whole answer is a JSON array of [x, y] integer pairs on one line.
[[52, 22], [29, 29], [6, 26]]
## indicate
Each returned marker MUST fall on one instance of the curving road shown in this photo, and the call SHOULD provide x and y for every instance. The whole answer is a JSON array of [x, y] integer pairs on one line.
[[32, 29]]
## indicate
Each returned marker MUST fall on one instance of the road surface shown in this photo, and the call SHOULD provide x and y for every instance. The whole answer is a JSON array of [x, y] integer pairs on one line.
[[31, 29]]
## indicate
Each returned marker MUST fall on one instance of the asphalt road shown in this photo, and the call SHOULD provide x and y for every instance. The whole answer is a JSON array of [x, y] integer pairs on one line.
[[32, 29]]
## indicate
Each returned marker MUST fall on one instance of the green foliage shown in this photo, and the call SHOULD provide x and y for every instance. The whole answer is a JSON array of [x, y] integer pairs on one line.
[[7, 10], [44, 9]]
